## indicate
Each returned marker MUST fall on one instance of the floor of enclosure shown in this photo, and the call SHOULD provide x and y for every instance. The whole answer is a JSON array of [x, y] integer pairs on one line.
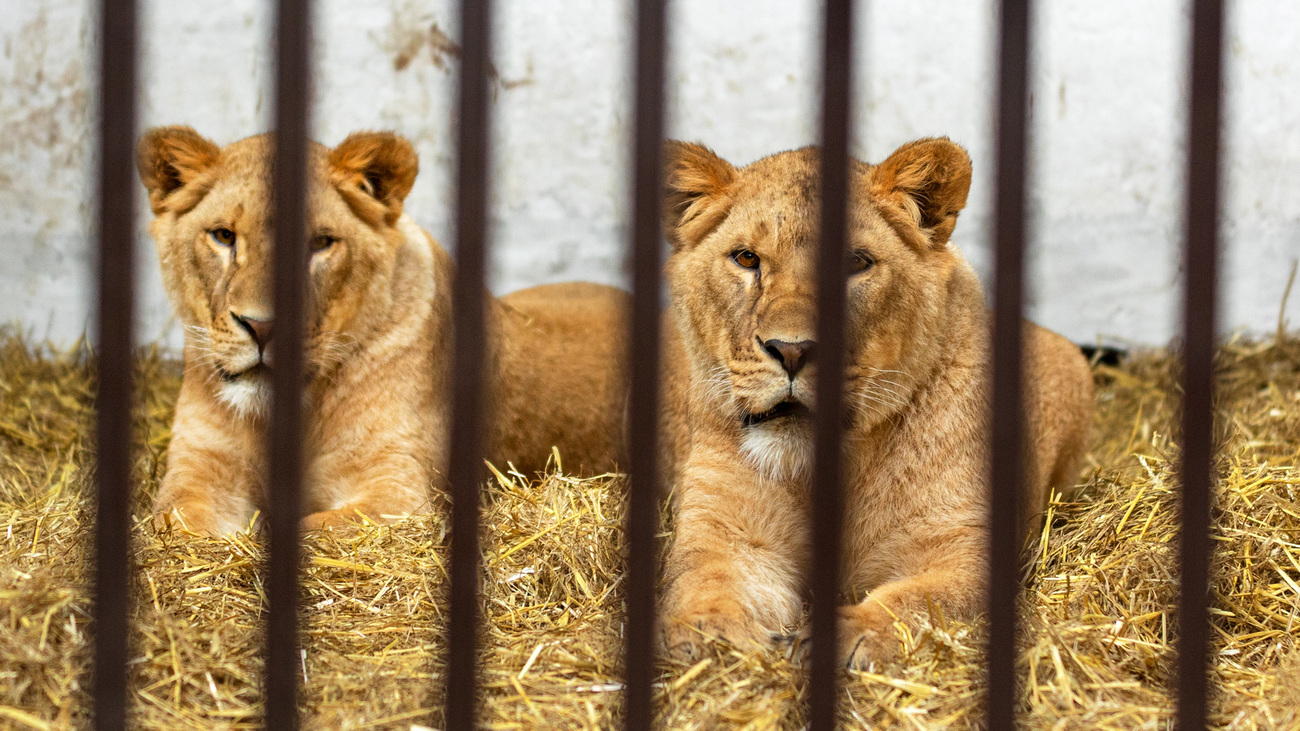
[[1098, 629]]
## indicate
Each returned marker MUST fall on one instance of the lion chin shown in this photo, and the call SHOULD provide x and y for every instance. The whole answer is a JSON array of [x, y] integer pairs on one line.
[[249, 395], [780, 449]]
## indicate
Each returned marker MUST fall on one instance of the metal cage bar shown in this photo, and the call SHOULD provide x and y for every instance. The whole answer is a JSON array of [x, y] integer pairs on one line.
[[828, 419], [466, 470], [643, 360], [1200, 257], [1007, 437], [284, 437], [117, 186]]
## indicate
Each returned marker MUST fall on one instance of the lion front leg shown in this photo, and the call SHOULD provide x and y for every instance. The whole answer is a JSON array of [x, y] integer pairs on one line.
[[711, 601], [214, 468], [204, 492], [953, 580], [377, 489], [733, 572]]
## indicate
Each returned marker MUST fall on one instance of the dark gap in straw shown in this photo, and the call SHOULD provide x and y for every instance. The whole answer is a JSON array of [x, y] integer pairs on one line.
[[1199, 317], [828, 419], [115, 322], [1008, 430], [466, 470], [643, 424], [284, 439]]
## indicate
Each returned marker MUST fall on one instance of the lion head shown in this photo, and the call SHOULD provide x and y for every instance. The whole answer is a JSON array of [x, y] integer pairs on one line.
[[213, 228], [742, 276]]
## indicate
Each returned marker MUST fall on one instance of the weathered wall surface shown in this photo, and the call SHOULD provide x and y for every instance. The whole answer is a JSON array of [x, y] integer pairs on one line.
[[1108, 105]]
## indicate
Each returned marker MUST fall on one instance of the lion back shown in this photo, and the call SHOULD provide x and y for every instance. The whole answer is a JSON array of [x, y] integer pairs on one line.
[[1059, 404]]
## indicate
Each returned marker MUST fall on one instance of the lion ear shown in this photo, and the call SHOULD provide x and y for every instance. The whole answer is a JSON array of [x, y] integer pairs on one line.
[[380, 165], [169, 158], [696, 192], [929, 179]]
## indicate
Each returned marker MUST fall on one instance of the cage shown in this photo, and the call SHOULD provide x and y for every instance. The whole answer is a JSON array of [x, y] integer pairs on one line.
[[1133, 189]]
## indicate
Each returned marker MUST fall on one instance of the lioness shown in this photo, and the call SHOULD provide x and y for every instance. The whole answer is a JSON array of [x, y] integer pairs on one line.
[[741, 275], [378, 339]]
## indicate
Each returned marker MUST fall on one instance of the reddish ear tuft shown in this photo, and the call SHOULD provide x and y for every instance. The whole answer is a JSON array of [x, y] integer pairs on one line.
[[696, 198], [380, 165], [169, 158], [929, 179]]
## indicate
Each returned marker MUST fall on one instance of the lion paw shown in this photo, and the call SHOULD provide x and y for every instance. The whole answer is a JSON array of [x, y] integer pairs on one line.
[[866, 637], [327, 520], [688, 637], [197, 520], [867, 648]]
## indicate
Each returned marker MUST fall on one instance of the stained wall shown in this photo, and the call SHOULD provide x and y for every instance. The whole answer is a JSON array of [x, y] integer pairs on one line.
[[1107, 117]]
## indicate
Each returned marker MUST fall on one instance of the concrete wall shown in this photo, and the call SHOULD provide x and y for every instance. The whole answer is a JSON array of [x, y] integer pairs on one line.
[[1108, 104]]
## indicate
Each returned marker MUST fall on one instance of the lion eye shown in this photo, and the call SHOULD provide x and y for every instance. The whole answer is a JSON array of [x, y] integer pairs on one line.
[[860, 262], [745, 258], [320, 243], [223, 236]]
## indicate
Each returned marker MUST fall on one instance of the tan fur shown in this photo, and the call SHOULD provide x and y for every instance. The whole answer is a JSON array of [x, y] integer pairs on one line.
[[378, 346], [915, 389]]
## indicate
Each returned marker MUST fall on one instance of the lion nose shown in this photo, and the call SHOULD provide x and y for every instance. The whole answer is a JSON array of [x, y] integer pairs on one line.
[[260, 330], [792, 356]]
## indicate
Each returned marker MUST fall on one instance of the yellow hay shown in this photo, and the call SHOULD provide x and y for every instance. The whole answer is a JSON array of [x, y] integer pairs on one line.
[[1096, 650]]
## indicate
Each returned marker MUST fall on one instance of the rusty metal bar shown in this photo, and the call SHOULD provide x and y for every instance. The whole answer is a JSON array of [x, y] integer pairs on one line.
[[1008, 430], [117, 185], [284, 438], [466, 471], [828, 419], [1200, 258], [643, 359]]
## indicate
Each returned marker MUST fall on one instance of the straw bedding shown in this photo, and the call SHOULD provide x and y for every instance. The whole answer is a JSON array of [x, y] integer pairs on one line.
[[1096, 651]]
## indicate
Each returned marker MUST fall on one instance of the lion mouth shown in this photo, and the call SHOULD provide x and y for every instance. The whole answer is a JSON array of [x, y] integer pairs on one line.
[[250, 372], [780, 411]]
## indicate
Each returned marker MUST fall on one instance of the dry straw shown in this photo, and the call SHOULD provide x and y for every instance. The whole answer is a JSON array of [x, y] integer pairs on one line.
[[1096, 651]]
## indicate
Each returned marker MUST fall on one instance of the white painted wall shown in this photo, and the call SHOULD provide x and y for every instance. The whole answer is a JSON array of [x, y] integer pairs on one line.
[[1108, 103]]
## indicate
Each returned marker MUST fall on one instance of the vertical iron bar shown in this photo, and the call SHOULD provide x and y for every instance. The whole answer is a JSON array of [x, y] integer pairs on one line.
[[1007, 439], [828, 419], [1199, 316], [643, 355], [284, 439], [466, 471], [116, 319]]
